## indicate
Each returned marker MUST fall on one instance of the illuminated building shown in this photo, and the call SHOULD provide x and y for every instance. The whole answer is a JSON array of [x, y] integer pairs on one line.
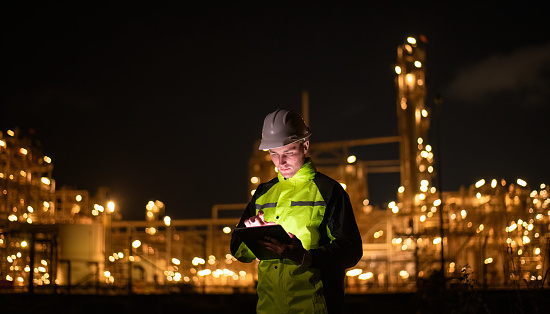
[[495, 232]]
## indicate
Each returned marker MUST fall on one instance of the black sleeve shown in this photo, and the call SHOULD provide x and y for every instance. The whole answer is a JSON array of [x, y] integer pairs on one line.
[[347, 248], [248, 212]]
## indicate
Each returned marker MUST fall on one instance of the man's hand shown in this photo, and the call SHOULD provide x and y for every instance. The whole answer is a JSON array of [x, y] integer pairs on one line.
[[293, 251], [257, 220]]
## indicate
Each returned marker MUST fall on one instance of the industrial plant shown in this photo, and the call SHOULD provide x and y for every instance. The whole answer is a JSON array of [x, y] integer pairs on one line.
[[492, 234]]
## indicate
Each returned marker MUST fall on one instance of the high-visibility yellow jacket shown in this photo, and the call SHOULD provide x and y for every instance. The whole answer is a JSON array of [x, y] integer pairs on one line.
[[317, 210]]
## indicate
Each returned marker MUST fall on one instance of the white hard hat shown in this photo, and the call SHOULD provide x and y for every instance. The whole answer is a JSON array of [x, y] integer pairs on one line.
[[283, 127]]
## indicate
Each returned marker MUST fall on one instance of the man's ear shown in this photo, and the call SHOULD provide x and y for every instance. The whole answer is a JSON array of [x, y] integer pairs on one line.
[[306, 146]]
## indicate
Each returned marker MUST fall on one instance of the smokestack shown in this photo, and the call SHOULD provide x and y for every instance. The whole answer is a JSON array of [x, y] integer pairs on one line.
[[305, 107]]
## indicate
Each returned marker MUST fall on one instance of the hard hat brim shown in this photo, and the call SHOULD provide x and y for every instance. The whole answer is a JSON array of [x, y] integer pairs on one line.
[[276, 143]]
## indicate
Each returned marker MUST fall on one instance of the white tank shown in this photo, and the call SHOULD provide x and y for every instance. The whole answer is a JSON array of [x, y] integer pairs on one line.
[[82, 245]]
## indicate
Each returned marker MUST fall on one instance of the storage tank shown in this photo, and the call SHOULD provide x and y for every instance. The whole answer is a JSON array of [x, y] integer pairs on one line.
[[81, 255]]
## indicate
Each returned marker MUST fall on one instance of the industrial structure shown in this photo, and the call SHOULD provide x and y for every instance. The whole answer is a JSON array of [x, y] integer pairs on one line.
[[68, 241]]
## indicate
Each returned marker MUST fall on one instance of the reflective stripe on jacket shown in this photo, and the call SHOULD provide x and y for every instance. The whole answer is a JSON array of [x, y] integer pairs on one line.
[[317, 210]]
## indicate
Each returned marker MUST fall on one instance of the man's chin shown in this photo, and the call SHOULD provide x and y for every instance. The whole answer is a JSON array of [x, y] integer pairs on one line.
[[286, 174]]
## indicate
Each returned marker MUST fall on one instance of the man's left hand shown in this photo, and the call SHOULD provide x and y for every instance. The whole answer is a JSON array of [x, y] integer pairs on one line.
[[293, 251]]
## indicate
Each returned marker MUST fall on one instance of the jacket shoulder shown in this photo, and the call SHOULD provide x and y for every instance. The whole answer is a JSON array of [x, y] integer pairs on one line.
[[327, 185], [264, 187]]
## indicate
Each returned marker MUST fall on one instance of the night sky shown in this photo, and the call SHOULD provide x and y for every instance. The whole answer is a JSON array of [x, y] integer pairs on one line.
[[165, 101]]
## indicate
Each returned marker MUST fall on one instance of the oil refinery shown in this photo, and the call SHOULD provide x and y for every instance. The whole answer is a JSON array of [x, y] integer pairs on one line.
[[493, 233]]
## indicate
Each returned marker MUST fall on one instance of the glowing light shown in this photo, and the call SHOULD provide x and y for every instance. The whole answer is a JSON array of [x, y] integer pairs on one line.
[[175, 261], [401, 189], [351, 159], [419, 140], [226, 230], [437, 241], [111, 207], [418, 64], [526, 239], [2, 143], [167, 220], [45, 180], [47, 159], [343, 185], [354, 272], [437, 202], [404, 274], [493, 183], [136, 244], [411, 40], [537, 251], [397, 69], [423, 218], [488, 260], [23, 151], [394, 207], [254, 180], [204, 272], [480, 228], [480, 183], [522, 182], [197, 260], [366, 276]]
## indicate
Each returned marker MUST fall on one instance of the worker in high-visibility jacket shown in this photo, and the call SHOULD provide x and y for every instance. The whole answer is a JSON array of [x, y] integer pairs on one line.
[[316, 212]]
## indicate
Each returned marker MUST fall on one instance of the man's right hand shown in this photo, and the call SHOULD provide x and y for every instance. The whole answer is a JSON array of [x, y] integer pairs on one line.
[[258, 220]]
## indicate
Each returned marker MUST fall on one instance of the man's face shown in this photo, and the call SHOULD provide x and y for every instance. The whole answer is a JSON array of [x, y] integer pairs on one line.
[[290, 158]]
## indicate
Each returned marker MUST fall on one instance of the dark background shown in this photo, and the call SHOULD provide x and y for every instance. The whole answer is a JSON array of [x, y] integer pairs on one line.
[[164, 100]]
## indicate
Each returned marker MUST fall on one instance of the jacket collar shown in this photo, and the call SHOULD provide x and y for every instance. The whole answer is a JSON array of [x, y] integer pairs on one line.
[[306, 172]]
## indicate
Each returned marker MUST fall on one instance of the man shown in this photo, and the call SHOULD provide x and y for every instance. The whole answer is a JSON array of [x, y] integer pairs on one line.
[[316, 212]]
